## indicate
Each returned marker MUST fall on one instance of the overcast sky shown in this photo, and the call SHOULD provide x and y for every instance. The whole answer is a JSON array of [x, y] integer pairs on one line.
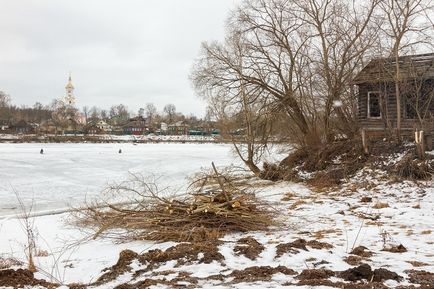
[[131, 52]]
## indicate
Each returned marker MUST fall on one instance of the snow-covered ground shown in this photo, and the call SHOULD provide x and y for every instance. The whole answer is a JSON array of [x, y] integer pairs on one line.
[[341, 219], [67, 174], [368, 210]]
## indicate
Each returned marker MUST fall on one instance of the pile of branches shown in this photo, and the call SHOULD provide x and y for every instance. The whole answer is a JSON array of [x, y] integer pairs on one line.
[[212, 207]]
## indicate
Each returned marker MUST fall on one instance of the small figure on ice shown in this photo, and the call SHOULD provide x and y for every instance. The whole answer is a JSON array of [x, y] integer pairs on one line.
[[41, 151], [120, 151]]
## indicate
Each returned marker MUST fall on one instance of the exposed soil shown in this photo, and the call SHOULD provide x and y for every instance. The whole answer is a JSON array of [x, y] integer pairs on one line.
[[396, 249], [364, 272], [184, 253], [361, 251], [366, 199], [121, 266], [21, 278], [249, 247], [259, 273], [143, 284], [353, 260], [77, 286], [421, 277], [310, 274], [300, 244], [340, 285]]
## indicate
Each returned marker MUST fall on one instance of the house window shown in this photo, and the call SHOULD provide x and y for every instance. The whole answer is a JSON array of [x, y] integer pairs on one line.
[[374, 110]]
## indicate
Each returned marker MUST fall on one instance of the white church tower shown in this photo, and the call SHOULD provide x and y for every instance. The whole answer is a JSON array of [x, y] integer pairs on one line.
[[69, 98]]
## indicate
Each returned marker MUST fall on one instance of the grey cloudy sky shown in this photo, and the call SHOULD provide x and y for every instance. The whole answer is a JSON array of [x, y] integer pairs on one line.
[[131, 52]]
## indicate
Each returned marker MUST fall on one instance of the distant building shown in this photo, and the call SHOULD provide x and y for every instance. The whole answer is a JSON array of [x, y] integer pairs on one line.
[[69, 98], [93, 129], [163, 128], [136, 126], [4, 126], [102, 125], [23, 127], [178, 128]]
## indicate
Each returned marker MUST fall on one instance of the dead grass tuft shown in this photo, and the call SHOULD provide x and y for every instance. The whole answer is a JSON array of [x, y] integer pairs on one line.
[[415, 169], [380, 205], [417, 263]]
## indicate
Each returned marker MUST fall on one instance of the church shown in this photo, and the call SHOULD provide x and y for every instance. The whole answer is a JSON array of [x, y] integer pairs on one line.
[[69, 98]]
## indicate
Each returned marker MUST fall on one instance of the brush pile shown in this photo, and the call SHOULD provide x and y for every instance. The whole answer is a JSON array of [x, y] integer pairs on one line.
[[412, 168], [213, 207]]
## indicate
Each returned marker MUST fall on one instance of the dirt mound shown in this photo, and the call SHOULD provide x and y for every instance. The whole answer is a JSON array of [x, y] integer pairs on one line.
[[259, 273], [21, 278], [361, 251], [341, 285], [382, 274], [364, 272], [353, 260], [184, 253], [144, 284], [329, 164], [300, 244], [311, 274], [421, 277], [249, 247], [395, 249], [121, 266]]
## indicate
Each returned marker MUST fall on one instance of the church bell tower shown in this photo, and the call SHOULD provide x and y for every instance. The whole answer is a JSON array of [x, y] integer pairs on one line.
[[69, 98]]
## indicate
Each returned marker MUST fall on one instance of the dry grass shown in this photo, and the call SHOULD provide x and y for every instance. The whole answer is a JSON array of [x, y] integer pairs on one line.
[[380, 205], [415, 169], [417, 263], [8, 262], [296, 204], [206, 212]]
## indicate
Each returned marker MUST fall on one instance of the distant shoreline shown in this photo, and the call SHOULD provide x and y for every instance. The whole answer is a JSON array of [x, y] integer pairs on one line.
[[11, 138]]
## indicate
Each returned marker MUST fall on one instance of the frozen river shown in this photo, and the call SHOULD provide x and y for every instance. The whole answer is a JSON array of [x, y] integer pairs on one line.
[[67, 174]]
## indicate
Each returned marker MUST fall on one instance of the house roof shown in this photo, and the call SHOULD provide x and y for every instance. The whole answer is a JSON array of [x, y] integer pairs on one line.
[[178, 123], [135, 123], [410, 67]]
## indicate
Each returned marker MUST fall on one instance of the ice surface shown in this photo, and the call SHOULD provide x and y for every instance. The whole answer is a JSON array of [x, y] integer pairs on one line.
[[67, 174]]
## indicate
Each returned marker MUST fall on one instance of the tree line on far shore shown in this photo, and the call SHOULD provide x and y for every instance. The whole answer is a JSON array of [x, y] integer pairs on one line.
[[60, 113]]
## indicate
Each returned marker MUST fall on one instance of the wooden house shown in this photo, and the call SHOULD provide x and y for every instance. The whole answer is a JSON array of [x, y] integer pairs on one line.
[[178, 128], [377, 102], [23, 127], [136, 126], [93, 129]]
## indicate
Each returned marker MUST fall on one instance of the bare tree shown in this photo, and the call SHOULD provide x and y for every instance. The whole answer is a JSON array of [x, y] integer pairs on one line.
[[170, 111], [406, 27], [151, 113], [299, 56], [86, 113], [5, 99], [119, 113], [64, 116], [344, 31]]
